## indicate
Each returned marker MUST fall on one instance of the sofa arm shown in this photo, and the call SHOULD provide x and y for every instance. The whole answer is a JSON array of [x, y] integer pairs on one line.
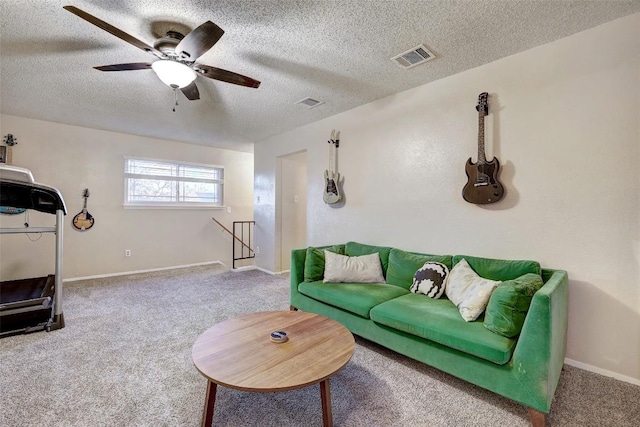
[[539, 354], [298, 257]]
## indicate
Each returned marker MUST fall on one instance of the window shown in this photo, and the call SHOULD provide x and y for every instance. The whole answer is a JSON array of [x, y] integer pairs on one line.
[[172, 184]]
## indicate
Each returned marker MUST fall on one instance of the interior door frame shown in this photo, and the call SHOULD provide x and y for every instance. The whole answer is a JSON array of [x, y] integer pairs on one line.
[[279, 262]]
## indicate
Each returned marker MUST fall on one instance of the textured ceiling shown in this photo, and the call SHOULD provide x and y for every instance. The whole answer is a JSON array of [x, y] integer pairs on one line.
[[333, 51]]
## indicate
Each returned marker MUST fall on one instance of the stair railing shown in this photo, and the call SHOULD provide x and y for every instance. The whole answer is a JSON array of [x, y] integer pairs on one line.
[[240, 229]]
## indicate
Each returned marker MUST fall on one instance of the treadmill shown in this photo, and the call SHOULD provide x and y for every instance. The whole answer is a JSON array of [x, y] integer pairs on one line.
[[32, 304]]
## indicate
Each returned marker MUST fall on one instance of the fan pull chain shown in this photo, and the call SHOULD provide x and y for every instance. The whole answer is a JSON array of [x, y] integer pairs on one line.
[[175, 97]]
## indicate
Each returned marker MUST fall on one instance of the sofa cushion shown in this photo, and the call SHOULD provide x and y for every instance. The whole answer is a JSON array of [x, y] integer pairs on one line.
[[509, 304], [314, 261], [356, 298], [438, 320], [430, 279], [357, 249], [499, 269], [403, 266], [468, 291], [352, 269]]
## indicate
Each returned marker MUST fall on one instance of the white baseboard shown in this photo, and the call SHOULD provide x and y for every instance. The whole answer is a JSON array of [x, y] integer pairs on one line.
[[264, 270], [245, 268], [601, 371], [150, 270]]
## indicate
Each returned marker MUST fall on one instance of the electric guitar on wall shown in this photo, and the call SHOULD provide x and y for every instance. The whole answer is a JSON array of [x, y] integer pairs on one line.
[[83, 220], [482, 185], [331, 177]]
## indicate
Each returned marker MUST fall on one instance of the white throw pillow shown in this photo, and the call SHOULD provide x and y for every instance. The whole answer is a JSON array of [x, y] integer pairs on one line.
[[355, 269], [468, 291]]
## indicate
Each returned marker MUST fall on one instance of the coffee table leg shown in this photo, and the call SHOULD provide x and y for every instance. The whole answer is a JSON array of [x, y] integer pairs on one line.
[[209, 402], [325, 394]]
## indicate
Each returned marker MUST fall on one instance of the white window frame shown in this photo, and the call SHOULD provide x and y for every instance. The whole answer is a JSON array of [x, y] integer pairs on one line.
[[175, 204]]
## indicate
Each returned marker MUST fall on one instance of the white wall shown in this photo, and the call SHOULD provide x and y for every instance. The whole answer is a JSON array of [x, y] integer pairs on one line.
[[564, 122], [72, 158]]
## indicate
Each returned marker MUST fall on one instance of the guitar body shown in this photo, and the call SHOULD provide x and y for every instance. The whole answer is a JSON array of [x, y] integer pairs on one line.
[[331, 191], [482, 185], [83, 221]]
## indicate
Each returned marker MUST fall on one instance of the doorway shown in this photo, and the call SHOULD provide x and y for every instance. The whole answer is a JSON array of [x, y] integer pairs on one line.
[[293, 205]]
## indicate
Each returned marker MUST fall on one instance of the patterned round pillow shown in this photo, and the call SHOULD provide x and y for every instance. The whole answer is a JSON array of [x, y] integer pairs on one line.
[[430, 279]]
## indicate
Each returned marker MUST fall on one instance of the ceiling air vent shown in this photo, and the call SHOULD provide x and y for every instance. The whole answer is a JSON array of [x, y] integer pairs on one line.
[[413, 57], [310, 102]]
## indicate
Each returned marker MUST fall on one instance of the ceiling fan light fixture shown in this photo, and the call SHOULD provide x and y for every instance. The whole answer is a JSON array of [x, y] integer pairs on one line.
[[174, 74]]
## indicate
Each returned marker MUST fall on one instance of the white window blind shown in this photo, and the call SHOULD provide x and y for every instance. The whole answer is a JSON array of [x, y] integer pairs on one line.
[[167, 183]]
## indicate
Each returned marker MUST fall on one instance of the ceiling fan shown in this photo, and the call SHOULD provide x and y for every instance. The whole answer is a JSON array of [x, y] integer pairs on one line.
[[176, 55]]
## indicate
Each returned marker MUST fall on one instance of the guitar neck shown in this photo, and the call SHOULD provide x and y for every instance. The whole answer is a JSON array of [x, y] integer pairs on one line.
[[85, 195], [481, 156]]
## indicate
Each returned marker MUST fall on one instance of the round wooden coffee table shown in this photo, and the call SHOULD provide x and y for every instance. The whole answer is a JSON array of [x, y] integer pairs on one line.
[[238, 353]]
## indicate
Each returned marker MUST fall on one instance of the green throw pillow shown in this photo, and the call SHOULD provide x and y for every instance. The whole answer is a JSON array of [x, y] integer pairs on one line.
[[403, 266], [499, 269], [314, 262], [509, 304], [358, 249]]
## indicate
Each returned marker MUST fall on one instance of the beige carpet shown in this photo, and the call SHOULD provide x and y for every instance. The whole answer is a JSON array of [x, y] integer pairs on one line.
[[124, 359]]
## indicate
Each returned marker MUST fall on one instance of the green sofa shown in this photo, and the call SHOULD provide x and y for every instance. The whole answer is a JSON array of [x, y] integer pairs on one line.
[[525, 368]]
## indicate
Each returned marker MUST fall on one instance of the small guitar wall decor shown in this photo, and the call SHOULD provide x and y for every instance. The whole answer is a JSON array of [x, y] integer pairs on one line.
[[7, 151], [482, 185], [332, 193], [83, 220]]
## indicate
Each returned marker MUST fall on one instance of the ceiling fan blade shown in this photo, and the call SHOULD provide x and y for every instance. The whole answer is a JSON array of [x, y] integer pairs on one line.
[[113, 30], [198, 41], [191, 92], [225, 76], [125, 67]]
